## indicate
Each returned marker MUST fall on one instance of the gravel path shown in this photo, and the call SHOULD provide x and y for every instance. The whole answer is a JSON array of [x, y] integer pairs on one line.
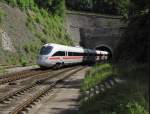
[[63, 100]]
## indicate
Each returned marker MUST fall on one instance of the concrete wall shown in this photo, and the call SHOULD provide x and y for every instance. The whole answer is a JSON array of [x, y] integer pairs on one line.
[[90, 30]]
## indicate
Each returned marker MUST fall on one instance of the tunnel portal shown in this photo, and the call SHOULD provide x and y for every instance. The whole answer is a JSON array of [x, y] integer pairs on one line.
[[105, 48]]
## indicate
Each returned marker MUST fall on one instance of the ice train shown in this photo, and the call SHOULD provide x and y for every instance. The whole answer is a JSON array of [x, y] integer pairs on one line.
[[58, 55]]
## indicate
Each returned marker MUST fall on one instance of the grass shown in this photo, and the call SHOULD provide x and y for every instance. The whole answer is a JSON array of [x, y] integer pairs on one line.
[[97, 75], [130, 97]]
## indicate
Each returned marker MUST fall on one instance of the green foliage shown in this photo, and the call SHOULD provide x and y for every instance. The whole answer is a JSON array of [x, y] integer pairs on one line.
[[23, 4], [56, 7], [45, 19], [123, 7], [51, 27], [135, 108], [12, 2], [97, 75], [30, 48], [2, 14], [129, 97], [23, 61], [113, 7], [134, 42]]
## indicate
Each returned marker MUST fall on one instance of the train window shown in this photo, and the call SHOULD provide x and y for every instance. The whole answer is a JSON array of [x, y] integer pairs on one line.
[[46, 50], [70, 53], [75, 54], [59, 53]]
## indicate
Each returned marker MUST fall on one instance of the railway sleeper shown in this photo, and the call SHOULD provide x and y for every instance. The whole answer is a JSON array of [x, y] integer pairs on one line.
[[35, 97]]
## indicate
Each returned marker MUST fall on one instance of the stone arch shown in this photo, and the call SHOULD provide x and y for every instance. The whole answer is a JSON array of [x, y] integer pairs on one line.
[[104, 47]]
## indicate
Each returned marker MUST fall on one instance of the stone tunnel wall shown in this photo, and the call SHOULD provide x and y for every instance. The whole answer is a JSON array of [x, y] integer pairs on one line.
[[90, 30]]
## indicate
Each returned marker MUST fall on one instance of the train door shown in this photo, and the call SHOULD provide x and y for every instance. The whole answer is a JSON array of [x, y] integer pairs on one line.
[[65, 58]]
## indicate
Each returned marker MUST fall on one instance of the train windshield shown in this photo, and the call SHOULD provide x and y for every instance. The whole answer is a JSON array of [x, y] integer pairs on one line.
[[45, 50]]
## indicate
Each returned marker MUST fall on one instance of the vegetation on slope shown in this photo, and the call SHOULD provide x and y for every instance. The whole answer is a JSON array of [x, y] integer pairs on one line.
[[45, 19], [48, 15], [96, 75], [134, 41], [1, 15], [130, 96], [112, 7]]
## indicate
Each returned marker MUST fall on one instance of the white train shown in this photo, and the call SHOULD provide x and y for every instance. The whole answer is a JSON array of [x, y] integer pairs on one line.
[[58, 55]]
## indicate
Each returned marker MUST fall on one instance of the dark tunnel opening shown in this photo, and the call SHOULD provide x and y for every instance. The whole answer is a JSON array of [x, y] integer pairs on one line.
[[105, 48]]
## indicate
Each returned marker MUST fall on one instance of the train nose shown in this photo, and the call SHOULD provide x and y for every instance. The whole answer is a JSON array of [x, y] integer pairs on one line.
[[41, 60]]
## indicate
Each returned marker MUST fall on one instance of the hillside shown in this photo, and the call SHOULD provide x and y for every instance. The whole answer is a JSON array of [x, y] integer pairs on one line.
[[24, 27]]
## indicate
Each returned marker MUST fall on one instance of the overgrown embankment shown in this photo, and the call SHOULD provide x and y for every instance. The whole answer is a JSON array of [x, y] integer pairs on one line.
[[116, 89], [25, 25], [111, 7]]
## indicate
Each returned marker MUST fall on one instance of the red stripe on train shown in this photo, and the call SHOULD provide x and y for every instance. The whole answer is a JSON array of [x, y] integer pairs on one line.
[[69, 57], [79, 57]]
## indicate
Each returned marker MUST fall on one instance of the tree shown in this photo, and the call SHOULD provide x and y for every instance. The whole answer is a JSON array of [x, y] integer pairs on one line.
[[134, 43]]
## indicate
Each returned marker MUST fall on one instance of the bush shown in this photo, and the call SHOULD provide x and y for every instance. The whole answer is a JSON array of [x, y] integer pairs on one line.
[[135, 108], [23, 61]]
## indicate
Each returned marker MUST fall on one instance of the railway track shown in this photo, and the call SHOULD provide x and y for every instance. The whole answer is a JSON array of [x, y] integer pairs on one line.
[[41, 92], [13, 66], [9, 66], [50, 81], [20, 75], [42, 78]]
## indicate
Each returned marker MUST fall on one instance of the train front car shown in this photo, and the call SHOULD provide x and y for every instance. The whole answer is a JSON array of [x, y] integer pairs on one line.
[[43, 57]]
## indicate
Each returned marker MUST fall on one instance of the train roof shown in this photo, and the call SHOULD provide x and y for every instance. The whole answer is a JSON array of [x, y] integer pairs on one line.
[[70, 48], [101, 52]]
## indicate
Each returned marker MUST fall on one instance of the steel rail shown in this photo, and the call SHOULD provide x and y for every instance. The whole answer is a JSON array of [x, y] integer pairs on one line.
[[21, 76], [35, 97], [44, 78]]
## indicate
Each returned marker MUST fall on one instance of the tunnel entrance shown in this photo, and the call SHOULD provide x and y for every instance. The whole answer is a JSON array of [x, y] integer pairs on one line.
[[105, 48]]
